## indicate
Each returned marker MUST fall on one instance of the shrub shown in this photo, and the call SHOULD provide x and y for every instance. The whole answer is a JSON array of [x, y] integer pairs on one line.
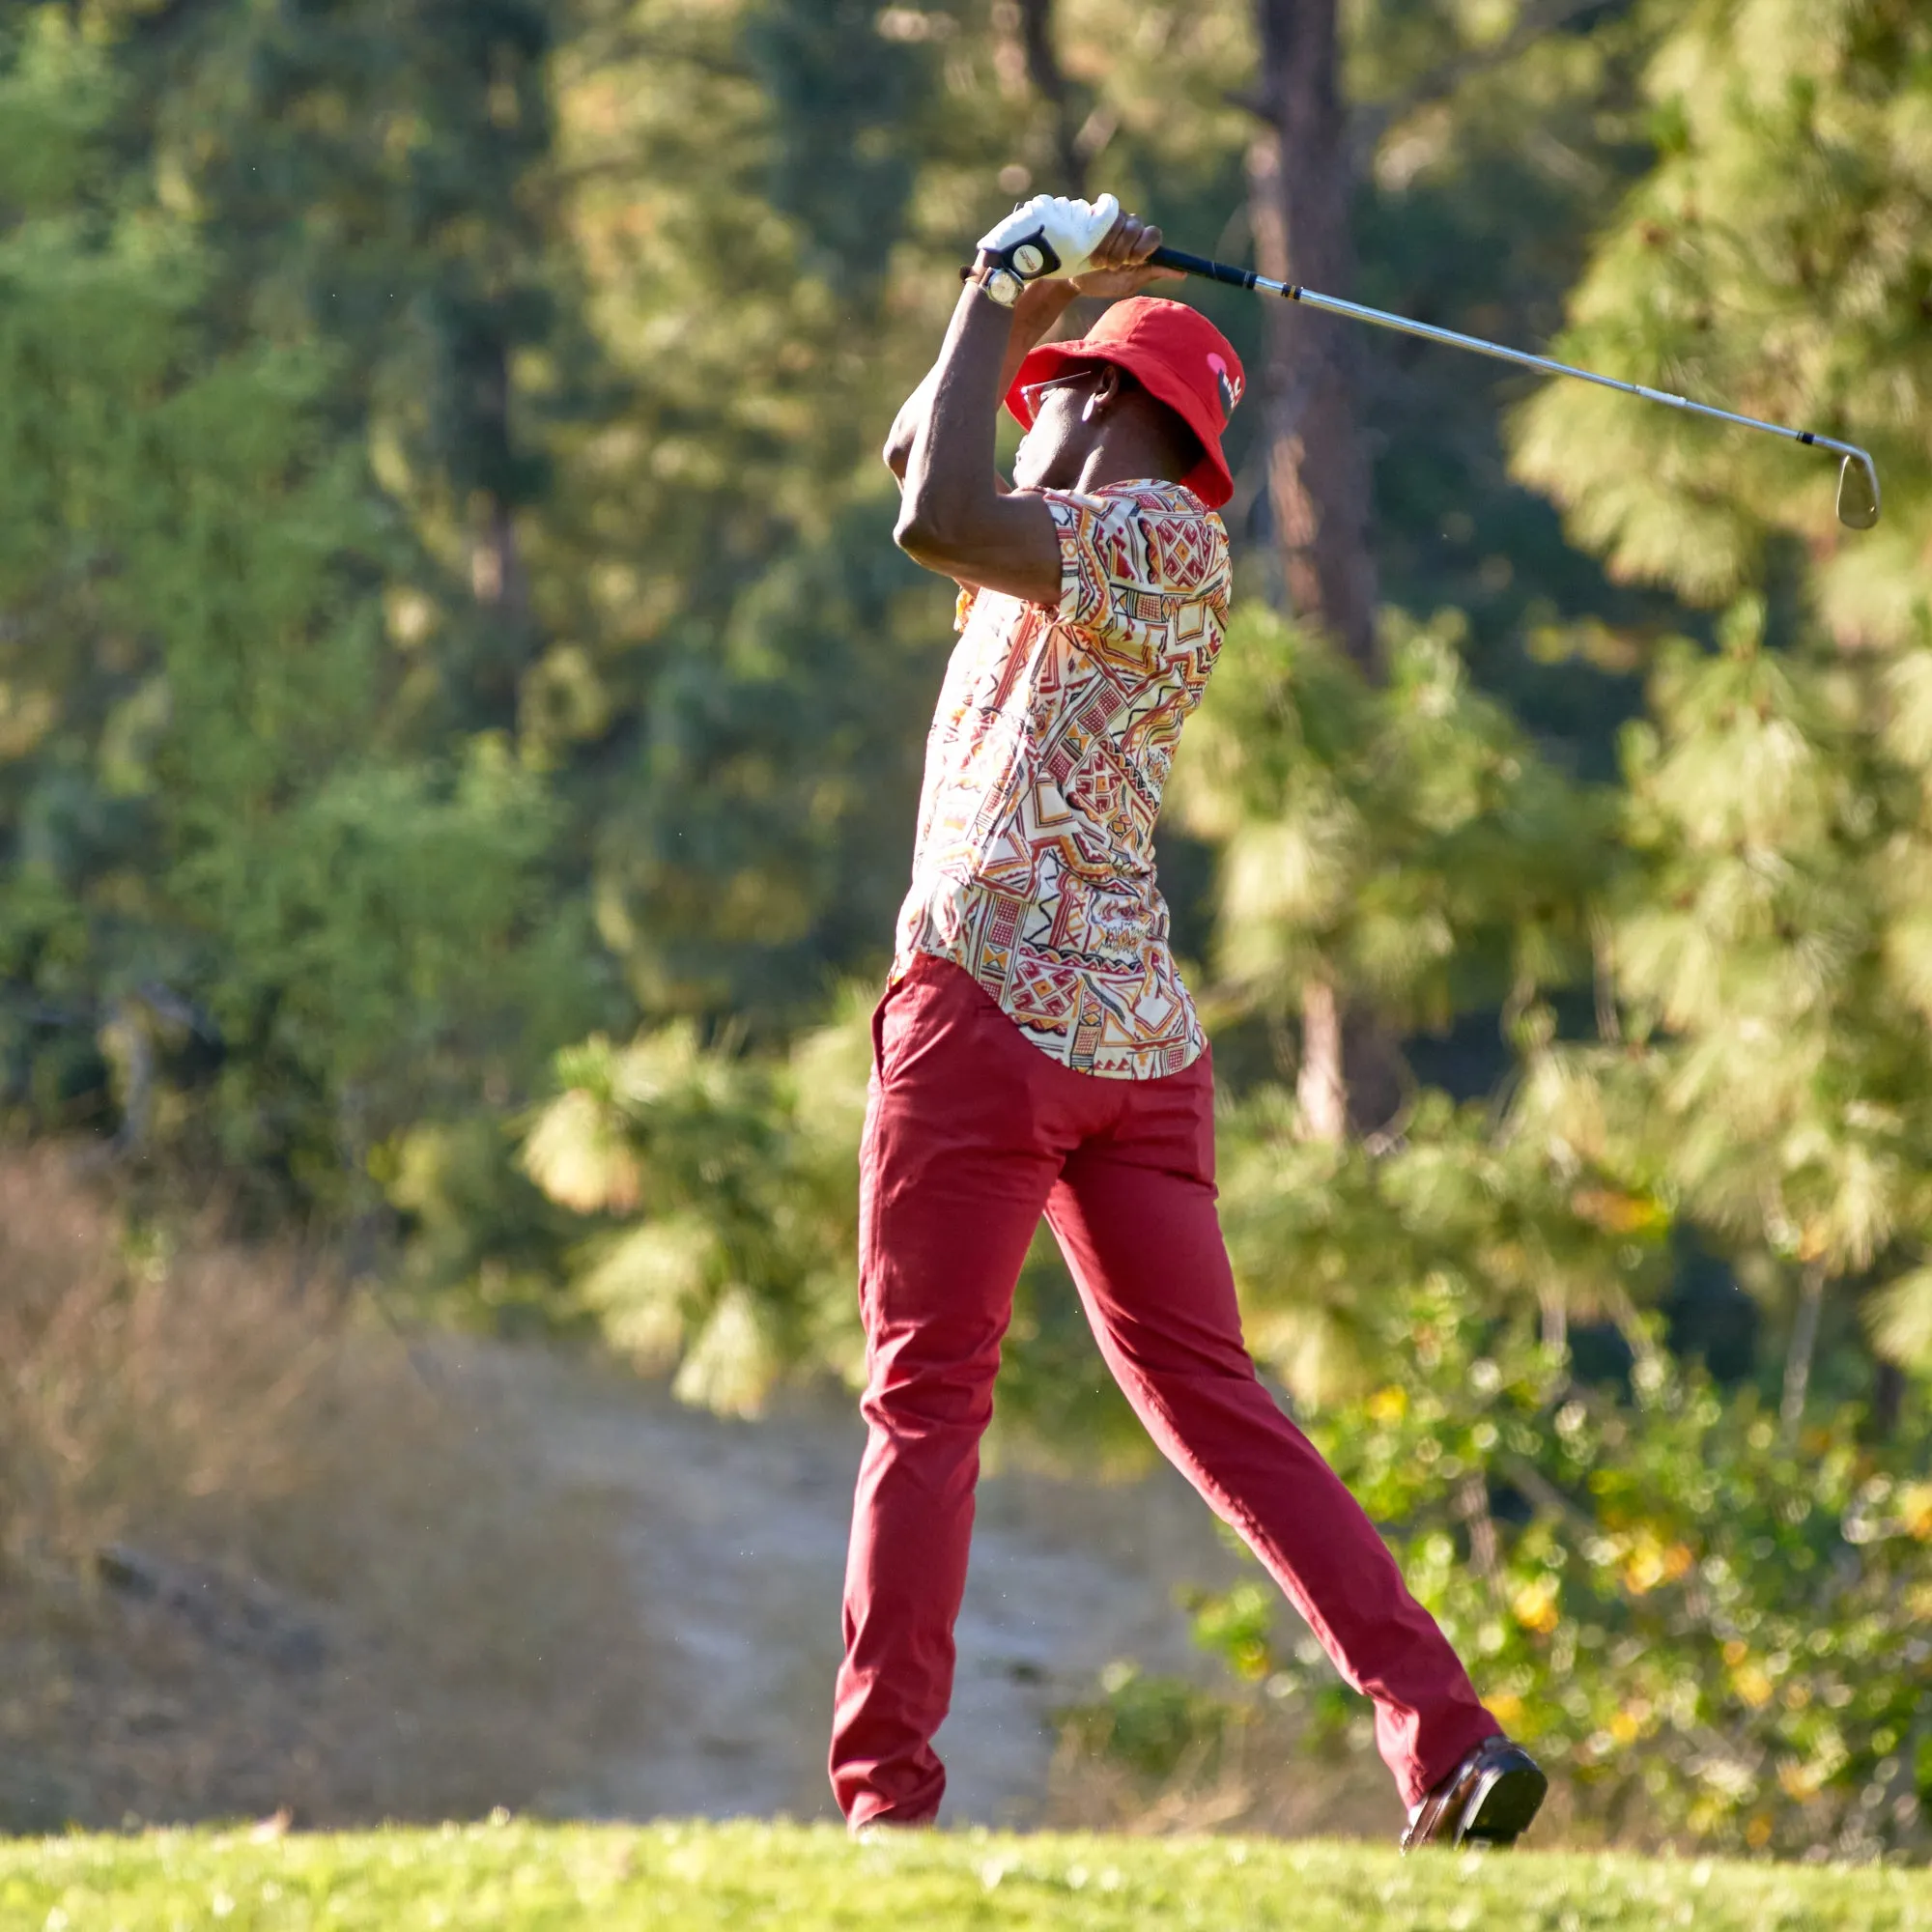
[[253, 1557], [1715, 1632]]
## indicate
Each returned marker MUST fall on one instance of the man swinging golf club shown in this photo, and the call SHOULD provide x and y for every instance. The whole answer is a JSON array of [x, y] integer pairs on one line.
[[1035, 1051]]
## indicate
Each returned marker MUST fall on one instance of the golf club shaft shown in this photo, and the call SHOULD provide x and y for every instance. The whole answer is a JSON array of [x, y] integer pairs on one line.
[[1246, 278]]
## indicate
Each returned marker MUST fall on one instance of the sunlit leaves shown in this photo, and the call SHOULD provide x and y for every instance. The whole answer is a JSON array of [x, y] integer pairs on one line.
[[1409, 840], [1773, 262], [724, 1184], [1691, 1618]]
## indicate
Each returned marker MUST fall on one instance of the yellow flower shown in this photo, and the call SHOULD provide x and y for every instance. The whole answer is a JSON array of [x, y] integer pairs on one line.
[[1617, 1212], [1752, 1686], [1757, 1834], [1535, 1605], [1625, 1728], [1388, 1406], [1505, 1707], [1645, 1569], [1651, 1563], [1799, 1781], [1736, 1651], [1915, 1507]]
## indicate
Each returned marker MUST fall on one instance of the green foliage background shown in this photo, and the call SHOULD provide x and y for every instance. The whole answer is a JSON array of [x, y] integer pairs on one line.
[[460, 713]]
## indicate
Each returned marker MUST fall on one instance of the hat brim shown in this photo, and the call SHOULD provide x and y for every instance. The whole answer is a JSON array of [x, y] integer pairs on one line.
[[1211, 479]]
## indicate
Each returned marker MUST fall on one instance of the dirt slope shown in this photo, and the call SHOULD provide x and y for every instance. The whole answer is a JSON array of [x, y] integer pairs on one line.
[[736, 1540]]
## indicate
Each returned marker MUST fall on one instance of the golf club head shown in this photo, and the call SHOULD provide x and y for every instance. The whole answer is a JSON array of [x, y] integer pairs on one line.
[[1858, 492]]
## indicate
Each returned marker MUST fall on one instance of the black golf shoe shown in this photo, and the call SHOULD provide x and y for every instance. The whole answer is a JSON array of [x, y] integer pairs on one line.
[[1488, 1799]]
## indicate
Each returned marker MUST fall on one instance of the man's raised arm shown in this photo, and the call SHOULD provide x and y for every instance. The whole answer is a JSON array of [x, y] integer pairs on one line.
[[955, 517], [1040, 305]]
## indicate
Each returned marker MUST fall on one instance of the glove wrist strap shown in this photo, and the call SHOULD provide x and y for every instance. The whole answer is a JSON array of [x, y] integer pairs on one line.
[[1029, 257]]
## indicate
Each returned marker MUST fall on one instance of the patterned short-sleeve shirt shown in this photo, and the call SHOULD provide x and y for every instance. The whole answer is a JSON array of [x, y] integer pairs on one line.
[[1056, 728]]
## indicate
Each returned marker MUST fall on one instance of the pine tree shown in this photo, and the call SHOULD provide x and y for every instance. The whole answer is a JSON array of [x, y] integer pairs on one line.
[[285, 939], [372, 177], [1776, 260]]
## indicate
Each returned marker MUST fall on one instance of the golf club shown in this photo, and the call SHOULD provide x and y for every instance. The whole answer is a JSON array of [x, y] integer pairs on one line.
[[1858, 475]]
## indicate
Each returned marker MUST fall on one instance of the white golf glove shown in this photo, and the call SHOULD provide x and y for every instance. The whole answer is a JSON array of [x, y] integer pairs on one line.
[[1051, 235]]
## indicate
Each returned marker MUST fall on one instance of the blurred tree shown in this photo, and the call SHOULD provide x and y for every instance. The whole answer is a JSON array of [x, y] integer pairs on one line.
[[840, 87], [286, 940], [724, 1184], [1768, 948], [1775, 259], [373, 179], [1403, 836], [1322, 375], [1302, 184], [1405, 840], [742, 655], [1071, 129]]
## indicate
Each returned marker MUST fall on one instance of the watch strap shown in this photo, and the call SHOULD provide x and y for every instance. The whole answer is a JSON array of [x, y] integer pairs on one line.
[[998, 282]]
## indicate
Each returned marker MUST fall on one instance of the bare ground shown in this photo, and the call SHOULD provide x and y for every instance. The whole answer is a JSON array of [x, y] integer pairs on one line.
[[258, 1557], [736, 1538]]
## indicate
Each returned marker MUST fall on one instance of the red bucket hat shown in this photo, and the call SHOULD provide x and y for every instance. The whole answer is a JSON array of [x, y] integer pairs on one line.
[[1177, 356]]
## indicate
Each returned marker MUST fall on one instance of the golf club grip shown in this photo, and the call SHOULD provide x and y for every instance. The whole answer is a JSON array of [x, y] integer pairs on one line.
[[1200, 265]]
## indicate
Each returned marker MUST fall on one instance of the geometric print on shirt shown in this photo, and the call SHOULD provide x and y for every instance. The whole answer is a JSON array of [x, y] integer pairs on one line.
[[1050, 747]]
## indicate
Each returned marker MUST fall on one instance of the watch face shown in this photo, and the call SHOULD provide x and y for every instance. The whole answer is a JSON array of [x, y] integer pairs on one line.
[[1028, 259], [1004, 286]]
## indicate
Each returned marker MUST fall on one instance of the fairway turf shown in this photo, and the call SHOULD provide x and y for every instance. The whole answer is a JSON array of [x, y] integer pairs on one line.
[[691, 1878]]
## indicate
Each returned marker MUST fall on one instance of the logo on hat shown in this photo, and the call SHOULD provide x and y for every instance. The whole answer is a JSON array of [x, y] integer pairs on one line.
[[1230, 386]]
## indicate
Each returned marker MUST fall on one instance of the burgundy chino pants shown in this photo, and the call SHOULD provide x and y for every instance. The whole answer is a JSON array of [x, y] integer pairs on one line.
[[972, 1133]]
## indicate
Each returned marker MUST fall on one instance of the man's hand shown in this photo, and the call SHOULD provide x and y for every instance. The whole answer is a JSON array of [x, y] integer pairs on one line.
[[1072, 229], [1118, 264]]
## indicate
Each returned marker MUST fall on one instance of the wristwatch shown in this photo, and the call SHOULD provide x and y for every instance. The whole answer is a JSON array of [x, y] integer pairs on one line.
[[1009, 272], [999, 281]]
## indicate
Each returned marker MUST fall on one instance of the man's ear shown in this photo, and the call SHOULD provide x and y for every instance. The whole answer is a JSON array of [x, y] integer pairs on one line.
[[1103, 395]]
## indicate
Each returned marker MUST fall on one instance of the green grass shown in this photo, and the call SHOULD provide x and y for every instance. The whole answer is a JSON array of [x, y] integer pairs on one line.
[[691, 1878]]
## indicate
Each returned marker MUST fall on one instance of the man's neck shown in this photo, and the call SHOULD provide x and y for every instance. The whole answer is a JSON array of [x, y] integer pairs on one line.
[[1126, 459]]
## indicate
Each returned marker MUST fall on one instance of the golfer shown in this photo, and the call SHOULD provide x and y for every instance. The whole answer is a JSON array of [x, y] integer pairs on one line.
[[1035, 1050]]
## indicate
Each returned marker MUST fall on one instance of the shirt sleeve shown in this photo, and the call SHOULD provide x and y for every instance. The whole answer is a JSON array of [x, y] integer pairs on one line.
[[1144, 572]]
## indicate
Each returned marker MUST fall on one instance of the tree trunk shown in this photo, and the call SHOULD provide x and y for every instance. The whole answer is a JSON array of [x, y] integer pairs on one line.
[[1802, 1346], [1299, 184], [502, 646], [1888, 1404], [1320, 1091], [495, 570], [1048, 80], [1555, 1321], [496, 576], [1473, 1505]]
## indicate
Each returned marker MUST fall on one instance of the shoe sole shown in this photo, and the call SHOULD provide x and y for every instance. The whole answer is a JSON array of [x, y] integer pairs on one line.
[[1502, 1806]]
